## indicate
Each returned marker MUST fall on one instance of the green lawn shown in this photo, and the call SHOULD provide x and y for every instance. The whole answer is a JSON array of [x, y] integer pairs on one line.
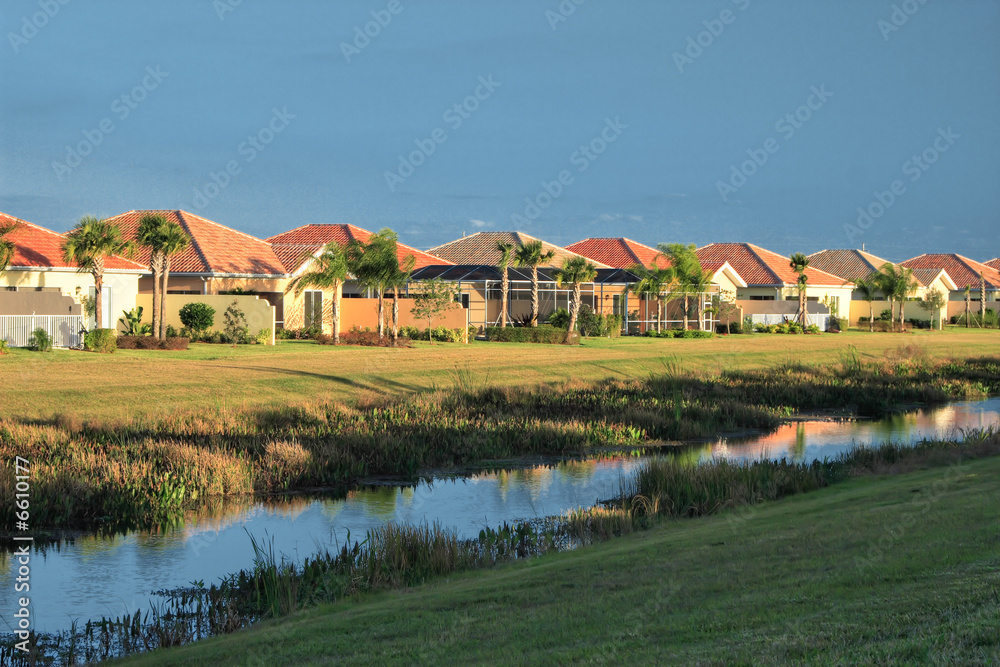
[[132, 382], [895, 570]]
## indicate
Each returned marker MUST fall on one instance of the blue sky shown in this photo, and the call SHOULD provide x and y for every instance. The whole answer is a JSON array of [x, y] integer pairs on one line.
[[185, 89]]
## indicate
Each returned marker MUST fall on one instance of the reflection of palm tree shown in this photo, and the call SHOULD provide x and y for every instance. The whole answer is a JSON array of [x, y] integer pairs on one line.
[[799, 449]]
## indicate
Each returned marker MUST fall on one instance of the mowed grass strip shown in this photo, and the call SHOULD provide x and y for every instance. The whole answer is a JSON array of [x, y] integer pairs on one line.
[[154, 383], [890, 570]]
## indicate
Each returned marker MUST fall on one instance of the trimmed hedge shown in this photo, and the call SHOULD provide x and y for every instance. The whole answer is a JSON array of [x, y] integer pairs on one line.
[[366, 338], [150, 343], [543, 333], [678, 333]]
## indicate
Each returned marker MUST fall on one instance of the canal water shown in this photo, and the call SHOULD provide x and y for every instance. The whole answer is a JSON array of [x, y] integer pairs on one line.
[[92, 576]]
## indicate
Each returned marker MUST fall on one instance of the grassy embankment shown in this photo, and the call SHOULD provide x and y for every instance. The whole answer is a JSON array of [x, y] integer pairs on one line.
[[133, 383], [900, 569], [145, 470]]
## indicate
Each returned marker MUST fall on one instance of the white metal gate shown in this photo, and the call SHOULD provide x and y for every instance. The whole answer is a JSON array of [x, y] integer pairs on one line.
[[64, 329]]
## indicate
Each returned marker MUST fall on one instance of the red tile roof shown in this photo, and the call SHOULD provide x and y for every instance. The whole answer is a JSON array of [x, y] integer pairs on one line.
[[215, 249], [964, 271], [37, 247], [481, 248], [848, 264], [294, 245], [763, 268], [994, 263], [619, 253]]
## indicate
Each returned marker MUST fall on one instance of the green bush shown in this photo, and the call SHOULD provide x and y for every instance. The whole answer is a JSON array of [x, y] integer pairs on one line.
[[3, 347], [172, 332], [197, 316], [237, 330], [559, 318], [150, 343], [692, 333], [541, 334], [103, 341], [590, 323], [40, 340], [262, 337]]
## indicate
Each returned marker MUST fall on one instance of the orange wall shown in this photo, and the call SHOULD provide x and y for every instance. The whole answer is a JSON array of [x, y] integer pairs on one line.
[[363, 313]]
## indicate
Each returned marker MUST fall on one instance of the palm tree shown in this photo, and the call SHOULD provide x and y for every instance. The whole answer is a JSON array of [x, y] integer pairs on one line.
[[698, 282], [531, 255], [174, 241], [905, 286], [982, 300], [887, 282], [968, 306], [869, 289], [798, 263], [398, 279], [88, 245], [688, 273], [506, 256], [328, 272], [575, 271], [374, 265], [651, 284], [6, 245], [151, 233]]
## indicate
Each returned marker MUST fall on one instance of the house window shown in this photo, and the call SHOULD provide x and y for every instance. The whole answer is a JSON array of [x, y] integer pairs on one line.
[[462, 299], [754, 297], [616, 304], [313, 311]]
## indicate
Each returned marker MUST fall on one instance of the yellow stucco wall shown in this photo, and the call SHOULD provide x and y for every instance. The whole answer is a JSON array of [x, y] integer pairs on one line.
[[259, 313], [124, 286]]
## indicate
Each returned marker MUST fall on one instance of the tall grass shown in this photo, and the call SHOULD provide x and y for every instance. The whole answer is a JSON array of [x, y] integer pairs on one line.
[[142, 472]]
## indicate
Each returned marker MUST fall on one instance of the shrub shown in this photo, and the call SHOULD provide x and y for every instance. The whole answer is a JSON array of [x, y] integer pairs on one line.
[[102, 341], [324, 339], [150, 343], [559, 318], [835, 324], [590, 323], [541, 334], [735, 328], [304, 333], [692, 333], [40, 340], [197, 316], [3, 347], [370, 338], [814, 329], [262, 337], [172, 332], [885, 315], [237, 330]]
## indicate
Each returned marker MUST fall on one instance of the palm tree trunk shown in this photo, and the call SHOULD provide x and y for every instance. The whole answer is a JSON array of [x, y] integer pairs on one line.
[[685, 311], [871, 317], [968, 308], [163, 299], [982, 301], [381, 316], [574, 309], [504, 288], [157, 270], [395, 316], [98, 297], [335, 313], [802, 307], [534, 296]]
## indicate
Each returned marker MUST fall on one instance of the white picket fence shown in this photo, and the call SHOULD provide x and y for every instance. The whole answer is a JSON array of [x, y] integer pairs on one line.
[[64, 329]]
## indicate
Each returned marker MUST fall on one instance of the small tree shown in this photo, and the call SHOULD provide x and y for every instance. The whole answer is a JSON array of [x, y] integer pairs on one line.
[[435, 299], [933, 302], [197, 316], [868, 287], [236, 324]]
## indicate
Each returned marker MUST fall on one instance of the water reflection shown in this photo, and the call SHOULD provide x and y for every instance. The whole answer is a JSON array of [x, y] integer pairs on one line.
[[91, 576]]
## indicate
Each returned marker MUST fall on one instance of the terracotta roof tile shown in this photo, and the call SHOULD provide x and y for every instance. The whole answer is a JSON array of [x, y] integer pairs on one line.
[[848, 264], [291, 246], [619, 253], [963, 271], [481, 249], [760, 267], [214, 248], [993, 263], [37, 247]]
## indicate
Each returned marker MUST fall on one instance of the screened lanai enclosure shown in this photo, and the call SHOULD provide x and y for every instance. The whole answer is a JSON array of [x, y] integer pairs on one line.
[[479, 287]]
